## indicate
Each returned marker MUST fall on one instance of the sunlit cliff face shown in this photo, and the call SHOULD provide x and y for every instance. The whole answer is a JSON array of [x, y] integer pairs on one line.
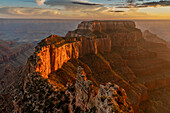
[[52, 57]]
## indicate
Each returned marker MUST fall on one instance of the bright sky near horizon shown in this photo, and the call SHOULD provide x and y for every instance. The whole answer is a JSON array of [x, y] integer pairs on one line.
[[85, 9]]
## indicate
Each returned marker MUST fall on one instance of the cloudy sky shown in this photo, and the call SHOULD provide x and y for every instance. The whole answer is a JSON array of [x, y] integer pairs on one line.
[[85, 9]]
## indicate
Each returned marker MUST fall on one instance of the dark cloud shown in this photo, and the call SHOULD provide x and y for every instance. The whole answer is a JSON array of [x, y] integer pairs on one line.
[[70, 3], [117, 11], [140, 3], [75, 5], [114, 3], [161, 3], [85, 3]]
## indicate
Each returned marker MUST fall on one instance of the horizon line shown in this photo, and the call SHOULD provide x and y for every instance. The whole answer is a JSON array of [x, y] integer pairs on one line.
[[74, 19]]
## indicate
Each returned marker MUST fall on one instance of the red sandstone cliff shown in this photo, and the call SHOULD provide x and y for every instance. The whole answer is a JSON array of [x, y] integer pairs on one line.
[[52, 56]]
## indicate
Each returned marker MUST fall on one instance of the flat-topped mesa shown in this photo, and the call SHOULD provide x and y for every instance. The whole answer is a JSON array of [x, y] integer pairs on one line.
[[104, 25], [122, 33]]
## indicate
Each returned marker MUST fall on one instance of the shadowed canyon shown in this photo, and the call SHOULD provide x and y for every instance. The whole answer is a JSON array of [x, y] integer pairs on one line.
[[123, 70]]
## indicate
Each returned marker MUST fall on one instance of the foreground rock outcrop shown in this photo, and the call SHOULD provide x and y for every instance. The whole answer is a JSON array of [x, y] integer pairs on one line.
[[36, 94]]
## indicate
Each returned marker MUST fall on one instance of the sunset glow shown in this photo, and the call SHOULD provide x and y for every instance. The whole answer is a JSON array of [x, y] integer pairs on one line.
[[85, 9]]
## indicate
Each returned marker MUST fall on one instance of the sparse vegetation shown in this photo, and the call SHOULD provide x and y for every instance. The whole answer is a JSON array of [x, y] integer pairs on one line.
[[103, 98]]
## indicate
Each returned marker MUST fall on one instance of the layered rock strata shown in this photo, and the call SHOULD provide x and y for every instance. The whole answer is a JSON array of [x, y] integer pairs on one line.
[[53, 55], [122, 33]]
